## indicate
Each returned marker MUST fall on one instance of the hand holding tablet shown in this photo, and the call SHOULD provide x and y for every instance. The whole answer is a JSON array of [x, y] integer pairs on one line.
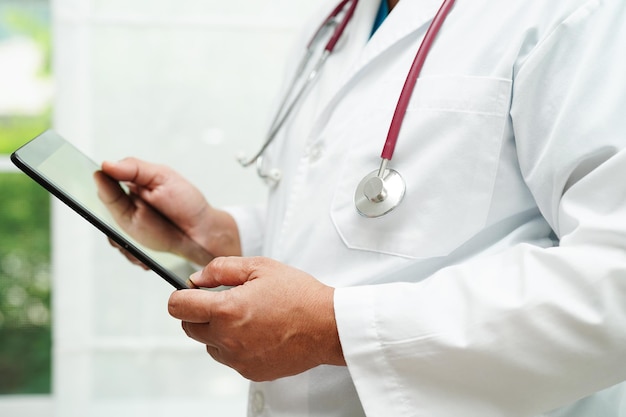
[[124, 216]]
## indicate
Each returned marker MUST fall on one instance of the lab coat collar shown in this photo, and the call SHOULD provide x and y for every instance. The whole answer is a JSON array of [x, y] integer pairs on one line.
[[396, 27]]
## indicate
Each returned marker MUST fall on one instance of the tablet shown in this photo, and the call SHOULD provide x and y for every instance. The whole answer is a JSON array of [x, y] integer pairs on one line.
[[68, 174]]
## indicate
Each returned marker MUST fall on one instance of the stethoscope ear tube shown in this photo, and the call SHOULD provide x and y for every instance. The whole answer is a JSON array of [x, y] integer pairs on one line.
[[284, 111], [271, 177], [286, 107], [342, 24], [382, 190]]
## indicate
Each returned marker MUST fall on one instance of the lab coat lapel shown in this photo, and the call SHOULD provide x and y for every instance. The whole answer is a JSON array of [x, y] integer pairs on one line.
[[409, 17]]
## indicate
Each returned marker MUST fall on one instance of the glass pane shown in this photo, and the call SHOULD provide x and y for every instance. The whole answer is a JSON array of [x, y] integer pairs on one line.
[[26, 83], [25, 341]]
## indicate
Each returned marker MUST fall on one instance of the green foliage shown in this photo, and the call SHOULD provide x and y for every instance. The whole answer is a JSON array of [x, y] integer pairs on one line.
[[15, 131], [25, 334], [25, 315], [24, 216], [25, 358]]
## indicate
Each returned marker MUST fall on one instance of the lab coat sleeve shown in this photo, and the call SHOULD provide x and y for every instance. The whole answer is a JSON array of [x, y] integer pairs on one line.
[[528, 329], [251, 225]]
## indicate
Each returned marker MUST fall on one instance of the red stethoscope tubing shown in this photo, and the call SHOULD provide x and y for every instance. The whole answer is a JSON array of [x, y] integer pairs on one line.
[[411, 80], [347, 8], [414, 71]]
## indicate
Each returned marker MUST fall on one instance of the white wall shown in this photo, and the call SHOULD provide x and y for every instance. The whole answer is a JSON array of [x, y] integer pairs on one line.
[[183, 82]]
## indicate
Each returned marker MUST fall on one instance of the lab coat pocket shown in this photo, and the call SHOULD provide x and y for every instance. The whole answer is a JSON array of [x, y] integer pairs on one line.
[[448, 153]]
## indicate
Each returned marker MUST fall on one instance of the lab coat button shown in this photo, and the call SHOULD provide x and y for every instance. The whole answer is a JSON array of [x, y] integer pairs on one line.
[[258, 402], [315, 152]]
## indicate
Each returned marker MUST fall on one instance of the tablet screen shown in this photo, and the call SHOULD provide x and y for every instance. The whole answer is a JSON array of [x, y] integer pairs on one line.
[[68, 174]]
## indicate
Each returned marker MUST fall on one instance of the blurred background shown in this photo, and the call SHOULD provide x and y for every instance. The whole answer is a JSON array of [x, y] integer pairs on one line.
[[183, 82]]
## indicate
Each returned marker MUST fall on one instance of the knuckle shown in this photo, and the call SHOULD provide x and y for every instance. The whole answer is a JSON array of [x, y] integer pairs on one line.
[[258, 263], [233, 346], [229, 308], [130, 159], [214, 266]]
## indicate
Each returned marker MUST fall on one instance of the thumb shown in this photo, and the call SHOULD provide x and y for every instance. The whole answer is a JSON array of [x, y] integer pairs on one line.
[[227, 271]]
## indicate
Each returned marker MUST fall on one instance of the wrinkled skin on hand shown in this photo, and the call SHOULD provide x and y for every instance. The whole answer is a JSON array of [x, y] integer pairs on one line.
[[276, 321]]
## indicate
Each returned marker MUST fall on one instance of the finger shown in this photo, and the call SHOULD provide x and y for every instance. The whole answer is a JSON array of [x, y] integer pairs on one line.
[[129, 256], [120, 205], [109, 190], [141, 173], [215, 354], [228, 271], [133, 260], [194, 306], [201, 332], [196, 331]]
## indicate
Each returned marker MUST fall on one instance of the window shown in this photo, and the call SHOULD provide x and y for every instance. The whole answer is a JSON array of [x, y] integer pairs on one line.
[[158, 80], [25, 100]]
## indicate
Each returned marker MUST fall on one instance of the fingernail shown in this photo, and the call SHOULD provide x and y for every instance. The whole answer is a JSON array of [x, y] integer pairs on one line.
[[195, 276]]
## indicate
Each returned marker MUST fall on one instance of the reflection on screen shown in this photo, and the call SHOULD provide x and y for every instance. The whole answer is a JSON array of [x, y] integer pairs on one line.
[[74, 176], [73, 173]]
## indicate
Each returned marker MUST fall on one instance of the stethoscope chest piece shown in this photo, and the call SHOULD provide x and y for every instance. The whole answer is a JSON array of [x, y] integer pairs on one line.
[[379, 192]]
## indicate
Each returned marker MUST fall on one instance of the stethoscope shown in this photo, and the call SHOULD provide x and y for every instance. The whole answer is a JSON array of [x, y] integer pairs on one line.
[[383, 189]]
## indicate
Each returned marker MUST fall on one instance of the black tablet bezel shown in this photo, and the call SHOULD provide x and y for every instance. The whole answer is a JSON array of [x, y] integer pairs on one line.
[[35, 152]]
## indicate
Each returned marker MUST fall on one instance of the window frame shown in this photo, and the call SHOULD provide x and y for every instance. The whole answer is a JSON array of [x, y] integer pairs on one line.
[[27, 405]]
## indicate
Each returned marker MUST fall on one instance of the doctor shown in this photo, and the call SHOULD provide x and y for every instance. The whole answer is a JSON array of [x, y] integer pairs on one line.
[[497, 287]]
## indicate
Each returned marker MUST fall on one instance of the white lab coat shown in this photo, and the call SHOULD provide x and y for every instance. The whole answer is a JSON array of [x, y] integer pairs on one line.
[[498, 286]]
